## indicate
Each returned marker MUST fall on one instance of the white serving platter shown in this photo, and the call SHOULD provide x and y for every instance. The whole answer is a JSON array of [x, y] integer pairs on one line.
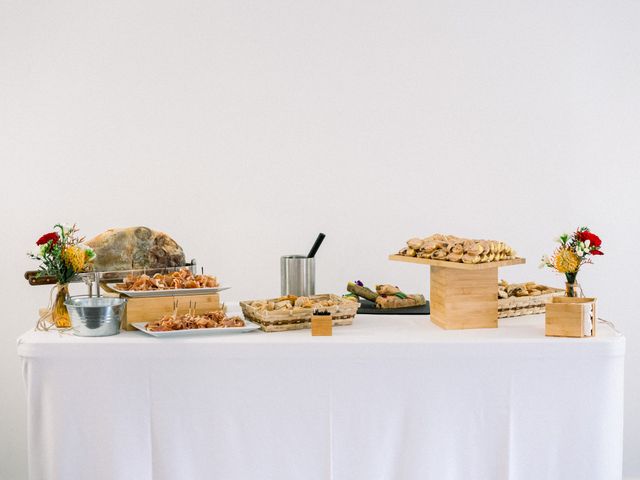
[[248, 327], [169, 292]]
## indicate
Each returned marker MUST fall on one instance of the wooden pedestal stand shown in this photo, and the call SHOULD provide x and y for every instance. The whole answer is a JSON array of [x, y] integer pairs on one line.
[[463, 295]]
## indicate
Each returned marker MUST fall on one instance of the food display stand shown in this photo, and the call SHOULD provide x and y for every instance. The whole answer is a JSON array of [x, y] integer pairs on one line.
[[462, 295]]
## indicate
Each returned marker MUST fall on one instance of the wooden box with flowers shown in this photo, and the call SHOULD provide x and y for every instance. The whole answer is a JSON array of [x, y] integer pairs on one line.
[[572, 315]]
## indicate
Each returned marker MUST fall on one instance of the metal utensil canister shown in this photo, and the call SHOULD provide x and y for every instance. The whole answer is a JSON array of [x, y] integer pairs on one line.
[[297, 275]]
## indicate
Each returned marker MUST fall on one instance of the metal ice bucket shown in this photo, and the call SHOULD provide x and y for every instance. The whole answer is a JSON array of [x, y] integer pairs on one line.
[[95, 316]]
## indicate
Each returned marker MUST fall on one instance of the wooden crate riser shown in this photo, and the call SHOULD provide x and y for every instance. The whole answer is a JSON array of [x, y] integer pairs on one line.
[[463, 295], [461, 299], [149, 309]]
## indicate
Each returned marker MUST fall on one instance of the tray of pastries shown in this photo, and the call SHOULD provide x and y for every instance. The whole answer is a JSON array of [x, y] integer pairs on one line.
[[450, 248]]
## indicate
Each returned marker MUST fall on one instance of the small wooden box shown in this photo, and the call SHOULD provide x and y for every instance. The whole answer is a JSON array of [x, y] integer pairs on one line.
[[565, 317], [148, 309], [321, 325]]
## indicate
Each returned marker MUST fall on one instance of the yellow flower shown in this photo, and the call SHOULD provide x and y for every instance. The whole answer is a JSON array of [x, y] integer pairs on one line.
[[74, 257], [565, 260]]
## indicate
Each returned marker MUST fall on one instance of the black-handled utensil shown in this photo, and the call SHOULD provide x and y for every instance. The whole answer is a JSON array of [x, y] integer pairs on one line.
[[316, 245]]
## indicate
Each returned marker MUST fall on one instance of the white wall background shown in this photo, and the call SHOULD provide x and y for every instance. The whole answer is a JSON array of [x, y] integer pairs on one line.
[[244, 127]]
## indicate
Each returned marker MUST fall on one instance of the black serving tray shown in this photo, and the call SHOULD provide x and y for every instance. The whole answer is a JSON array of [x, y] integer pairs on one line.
[[369, 308]]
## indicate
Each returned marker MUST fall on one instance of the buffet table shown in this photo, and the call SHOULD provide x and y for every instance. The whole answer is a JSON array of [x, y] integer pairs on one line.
[[391, 397]]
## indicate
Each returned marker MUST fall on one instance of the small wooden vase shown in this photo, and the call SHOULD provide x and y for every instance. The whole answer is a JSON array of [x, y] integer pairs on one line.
[[321, 325], [59, 313], [571, 317]]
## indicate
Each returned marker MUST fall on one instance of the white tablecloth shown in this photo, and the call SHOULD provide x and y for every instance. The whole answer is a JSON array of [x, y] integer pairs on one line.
[[387, 398]]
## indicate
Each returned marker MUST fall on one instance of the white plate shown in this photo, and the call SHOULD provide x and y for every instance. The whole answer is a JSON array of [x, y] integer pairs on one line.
[[248, 327], [169, 292]]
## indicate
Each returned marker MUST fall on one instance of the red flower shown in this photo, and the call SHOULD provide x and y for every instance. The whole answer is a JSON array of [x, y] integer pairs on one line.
[[596, 252], [594, 240], [47, 237]]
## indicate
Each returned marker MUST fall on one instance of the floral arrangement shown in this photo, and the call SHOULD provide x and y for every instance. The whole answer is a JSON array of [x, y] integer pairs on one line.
[[575, 250], [62, 253]]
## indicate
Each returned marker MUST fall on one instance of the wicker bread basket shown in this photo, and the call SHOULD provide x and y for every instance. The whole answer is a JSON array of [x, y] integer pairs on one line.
[[298, 318], [529, 305]]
